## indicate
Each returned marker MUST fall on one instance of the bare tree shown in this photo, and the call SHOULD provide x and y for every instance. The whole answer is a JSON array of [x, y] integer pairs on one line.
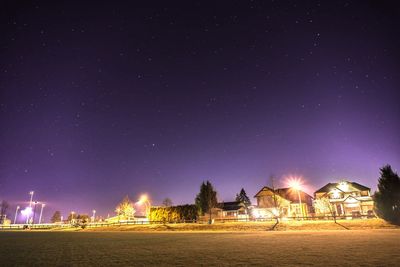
[[167, 202], [275, 199], [323, 205]]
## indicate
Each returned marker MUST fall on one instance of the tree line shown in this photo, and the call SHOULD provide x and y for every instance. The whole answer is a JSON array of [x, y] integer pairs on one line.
[[386, 203]]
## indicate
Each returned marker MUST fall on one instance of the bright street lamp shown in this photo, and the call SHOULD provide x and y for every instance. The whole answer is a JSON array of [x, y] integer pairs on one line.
[[26, 212], [145, 200], [296, 184], [16, 213]]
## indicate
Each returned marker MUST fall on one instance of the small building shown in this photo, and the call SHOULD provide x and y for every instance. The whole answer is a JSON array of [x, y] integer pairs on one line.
[[230, 210], [284, 202], [346, 198]]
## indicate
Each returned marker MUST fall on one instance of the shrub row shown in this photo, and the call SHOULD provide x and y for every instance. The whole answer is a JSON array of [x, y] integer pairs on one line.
[[174, 213]]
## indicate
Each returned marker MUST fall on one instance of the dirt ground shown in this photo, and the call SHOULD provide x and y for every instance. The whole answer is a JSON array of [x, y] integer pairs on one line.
[[373, 247]]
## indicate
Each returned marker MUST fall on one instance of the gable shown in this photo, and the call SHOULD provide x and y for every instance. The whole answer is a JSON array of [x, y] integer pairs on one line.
[[343, 186]]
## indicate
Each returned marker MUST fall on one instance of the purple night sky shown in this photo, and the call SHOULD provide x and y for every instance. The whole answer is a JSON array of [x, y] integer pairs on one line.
[[99, 101]]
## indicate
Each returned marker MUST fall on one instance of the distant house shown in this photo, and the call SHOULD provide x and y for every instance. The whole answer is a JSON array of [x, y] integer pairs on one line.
[[282, 201], [346, 198], [230, 210]]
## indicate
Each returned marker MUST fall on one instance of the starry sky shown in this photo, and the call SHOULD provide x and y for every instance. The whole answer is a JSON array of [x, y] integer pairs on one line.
[[103, 100]]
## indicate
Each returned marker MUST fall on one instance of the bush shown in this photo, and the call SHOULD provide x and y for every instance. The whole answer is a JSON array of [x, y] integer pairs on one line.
[[174, 213]]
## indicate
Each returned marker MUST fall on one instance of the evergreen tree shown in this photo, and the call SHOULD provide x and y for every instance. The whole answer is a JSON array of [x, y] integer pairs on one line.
[[387, 198], [207, 198], [56, 217], [242, 197]]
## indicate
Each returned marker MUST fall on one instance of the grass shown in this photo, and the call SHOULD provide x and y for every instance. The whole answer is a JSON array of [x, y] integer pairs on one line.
[[257, 226], [370, 247]]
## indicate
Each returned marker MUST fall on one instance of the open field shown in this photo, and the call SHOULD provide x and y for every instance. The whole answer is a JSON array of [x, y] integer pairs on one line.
[[266, 248]]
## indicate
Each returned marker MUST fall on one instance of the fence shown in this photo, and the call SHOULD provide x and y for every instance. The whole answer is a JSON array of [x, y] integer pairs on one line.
[[218, 220], [33, 226]]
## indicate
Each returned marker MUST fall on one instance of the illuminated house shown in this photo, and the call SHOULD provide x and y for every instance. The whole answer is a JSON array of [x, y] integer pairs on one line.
[[286, 202], [346, 198], [230, 210]]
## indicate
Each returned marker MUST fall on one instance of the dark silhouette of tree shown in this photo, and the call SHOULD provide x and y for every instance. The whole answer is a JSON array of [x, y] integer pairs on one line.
[[72, 217], [206, 199], [242, 197], [56, 217], [3, 211], [167, 202], [387, 198], [83, 218]]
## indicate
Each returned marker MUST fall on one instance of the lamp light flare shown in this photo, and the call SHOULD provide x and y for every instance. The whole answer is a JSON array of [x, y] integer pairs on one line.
[[295, 183], [27, 211], [143, 198]]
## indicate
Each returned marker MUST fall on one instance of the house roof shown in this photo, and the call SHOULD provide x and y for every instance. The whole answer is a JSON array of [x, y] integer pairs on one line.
[[292, 195], [233, 205], [328, 187], [288, 193], [263, 189]]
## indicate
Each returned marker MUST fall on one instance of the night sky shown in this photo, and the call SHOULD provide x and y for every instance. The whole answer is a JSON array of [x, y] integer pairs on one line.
[[103, 100]]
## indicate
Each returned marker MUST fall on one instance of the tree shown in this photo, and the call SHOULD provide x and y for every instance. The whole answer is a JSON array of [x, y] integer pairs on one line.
[[276, 199], [82, 218], [72, 217], [387, 198], [167, 202], [323, 205], [206, 199], [56, 217], [126, 208], [242, 197], [3, 211]]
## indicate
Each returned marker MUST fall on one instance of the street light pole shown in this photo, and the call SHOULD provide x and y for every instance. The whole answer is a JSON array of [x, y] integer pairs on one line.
[[296, 184], [145, 200], [41, 212], [301, 208], [34, 212], [30, 202], [16, 213], [30, 205]]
